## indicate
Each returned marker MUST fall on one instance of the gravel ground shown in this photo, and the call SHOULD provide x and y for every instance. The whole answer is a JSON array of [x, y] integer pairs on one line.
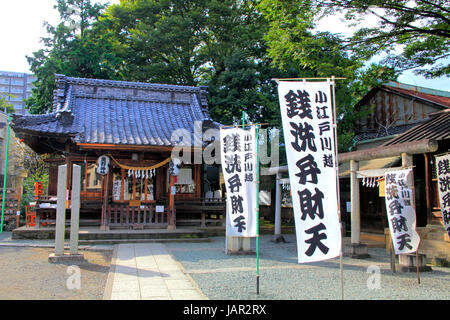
[[27, 274], [223, 277]]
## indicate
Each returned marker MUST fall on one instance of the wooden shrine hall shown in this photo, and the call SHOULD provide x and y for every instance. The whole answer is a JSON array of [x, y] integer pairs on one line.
[[132, 124]]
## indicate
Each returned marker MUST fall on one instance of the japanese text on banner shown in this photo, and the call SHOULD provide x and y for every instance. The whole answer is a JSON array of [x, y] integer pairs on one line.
[[443, 175], [400, 211], [238, 156], [307, 115]]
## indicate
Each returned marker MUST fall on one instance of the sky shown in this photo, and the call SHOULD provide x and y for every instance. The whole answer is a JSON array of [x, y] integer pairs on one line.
[[21, 28]]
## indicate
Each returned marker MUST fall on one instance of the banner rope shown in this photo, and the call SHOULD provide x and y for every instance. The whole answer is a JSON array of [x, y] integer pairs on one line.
[[124, 166]]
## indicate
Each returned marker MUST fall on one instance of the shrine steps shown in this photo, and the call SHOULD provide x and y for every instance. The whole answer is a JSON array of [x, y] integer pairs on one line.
[[121, 241], [92, 235]]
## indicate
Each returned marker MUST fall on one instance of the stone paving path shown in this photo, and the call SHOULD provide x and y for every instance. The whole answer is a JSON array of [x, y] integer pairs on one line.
[[147, 271]]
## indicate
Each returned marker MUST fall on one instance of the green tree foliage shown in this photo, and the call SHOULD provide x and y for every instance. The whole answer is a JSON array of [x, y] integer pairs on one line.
[[72, 48], [420, 28], [234, 47], [5, 105], [198, 42], [158, 41], [292, 43], [36, 172]]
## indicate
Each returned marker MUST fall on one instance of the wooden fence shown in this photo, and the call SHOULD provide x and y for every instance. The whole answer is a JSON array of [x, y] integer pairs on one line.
[[205, 211], [137, 217]]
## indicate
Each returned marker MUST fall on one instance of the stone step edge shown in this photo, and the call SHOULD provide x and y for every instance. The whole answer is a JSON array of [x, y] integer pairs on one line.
[[120, 241]]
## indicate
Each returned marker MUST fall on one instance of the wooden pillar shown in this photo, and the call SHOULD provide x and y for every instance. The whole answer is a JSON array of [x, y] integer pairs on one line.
[[355, 249], [407, 160], [171, 217], [134, 187], [122, 185], [278, 205], [104, 224], [428, 186], [198, 180], [355, 203]]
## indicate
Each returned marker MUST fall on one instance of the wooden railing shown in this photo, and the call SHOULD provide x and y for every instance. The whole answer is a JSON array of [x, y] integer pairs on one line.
[[204, 211], [137, 217]]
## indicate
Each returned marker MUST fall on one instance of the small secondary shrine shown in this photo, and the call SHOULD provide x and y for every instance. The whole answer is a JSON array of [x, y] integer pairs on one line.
[[132, 124]]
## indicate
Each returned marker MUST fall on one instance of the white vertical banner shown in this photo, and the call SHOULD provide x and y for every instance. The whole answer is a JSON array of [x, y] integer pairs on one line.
[[400, 210], [307, 115], [443, 175], [238, 159]]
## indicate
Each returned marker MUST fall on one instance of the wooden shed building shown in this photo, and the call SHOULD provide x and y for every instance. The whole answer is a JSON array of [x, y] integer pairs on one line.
[[413, 145], [396, 109]]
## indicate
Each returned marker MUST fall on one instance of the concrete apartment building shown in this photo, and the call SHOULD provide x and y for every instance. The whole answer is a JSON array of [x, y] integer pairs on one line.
[[18, 85]]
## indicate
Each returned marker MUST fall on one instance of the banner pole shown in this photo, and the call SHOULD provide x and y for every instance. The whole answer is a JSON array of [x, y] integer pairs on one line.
[[257, 201], [257, 209], [413, 190], [341, 267], [6, 173], [241, 240], [417, 263]]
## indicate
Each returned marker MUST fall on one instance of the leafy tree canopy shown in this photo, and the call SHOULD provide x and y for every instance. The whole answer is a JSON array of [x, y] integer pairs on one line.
[[72, 48], [293, 43], [419, 29], [5, 105], [234, 47]]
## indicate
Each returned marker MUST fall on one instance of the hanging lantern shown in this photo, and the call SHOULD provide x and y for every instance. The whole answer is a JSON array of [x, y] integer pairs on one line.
[[103, 165]]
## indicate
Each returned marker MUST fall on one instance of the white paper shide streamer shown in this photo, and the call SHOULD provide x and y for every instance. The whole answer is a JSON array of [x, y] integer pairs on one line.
[[307, 115]]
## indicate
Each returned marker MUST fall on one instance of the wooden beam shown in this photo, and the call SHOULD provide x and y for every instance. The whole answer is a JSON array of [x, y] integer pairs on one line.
[[415, 147], [55, 160], [98, 146], [131, 148]]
